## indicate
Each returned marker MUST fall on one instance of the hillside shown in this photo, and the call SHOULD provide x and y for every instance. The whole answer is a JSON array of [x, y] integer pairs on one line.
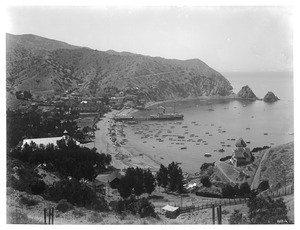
[[49, 67], [277, 167]]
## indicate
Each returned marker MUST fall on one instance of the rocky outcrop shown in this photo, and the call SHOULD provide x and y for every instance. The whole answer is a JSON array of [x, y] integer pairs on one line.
[[270, 97], [246, 93]]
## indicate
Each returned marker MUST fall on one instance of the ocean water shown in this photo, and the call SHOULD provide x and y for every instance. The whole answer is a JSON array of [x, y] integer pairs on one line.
[[210, 126]]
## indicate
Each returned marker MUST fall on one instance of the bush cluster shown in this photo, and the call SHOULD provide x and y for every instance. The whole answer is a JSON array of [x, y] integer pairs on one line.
[[230, 191], [208, 194], [170, 177], [64, 206], [76, 193], [136, 181], [205, 181], [29, 181], [63, 158], [142, 206]]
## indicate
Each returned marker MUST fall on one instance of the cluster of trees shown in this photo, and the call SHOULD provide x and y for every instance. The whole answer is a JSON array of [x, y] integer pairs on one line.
[[206, 181], [68, 159], [170, 177], [136, 181], [262, 211], [142, 206], [76, 193], [230, 191], [31, 124]]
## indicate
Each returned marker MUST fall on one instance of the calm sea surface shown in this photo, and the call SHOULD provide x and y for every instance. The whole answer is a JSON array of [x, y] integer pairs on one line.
[[213, 126]]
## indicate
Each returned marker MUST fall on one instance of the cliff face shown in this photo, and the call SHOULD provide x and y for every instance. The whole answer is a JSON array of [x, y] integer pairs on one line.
[[246, 93], [54, 67], [270, 97]]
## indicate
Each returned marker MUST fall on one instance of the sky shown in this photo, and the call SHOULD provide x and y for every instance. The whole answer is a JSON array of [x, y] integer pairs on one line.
[[226, 38]]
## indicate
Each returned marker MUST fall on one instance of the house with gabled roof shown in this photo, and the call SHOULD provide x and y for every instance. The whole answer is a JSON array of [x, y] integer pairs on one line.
[[241, 154]]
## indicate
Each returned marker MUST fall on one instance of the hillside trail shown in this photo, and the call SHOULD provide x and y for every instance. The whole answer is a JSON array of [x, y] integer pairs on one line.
[[257, 172]]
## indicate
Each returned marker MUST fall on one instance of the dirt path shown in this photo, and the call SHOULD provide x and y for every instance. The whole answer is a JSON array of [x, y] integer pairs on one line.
[[255, 181]]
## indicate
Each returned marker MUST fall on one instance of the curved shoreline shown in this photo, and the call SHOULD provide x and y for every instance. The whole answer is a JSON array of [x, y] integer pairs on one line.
[[122, 157]]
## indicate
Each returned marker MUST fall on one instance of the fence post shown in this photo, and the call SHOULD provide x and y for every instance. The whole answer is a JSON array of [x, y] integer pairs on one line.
[[52, 215], [49, 216], [219, 212], [213, 214], [45, 216]]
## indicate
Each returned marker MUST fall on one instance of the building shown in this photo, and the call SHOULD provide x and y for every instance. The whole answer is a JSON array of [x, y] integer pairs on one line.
[[112, 178], [241, 154], [170, 211], [48, 140]]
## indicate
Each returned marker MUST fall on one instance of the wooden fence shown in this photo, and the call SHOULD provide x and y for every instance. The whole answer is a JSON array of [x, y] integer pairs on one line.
[[228, 202]]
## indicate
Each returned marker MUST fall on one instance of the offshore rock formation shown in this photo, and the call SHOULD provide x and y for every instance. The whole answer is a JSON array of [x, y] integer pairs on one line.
[[270, 97], [246, 93], [44, 66]]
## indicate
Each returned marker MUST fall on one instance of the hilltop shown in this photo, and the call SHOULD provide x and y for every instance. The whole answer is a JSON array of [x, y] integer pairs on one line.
[[49, 67]]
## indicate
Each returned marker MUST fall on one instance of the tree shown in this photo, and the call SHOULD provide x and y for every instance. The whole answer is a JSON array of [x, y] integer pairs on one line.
[[138, 185], [228, 191], [244, 189], [264, 185], [175, 178], [125, 187], [162, 176], [205, 181], [267, 211], [149, 181], [136, 181]]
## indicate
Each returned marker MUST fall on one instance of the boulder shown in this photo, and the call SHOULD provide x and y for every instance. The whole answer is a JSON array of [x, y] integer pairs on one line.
[[270, 97], [246, 93]]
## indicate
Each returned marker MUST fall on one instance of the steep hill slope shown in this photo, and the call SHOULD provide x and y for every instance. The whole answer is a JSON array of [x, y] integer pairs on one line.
[[277, 167], [47, 66]]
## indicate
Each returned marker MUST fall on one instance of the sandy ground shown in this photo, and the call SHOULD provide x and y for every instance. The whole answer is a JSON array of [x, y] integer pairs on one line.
[[122, 158]]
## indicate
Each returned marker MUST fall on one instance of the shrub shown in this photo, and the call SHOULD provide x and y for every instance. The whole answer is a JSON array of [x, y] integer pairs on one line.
[[207, 194], [238, 218], [28, 202], [95, 218], [17, 217], [228, 191], [136, 206], [267, 211], [205, 181], [64, 206], [205, 165], [38, 187], [264, 185], [78, 213], [225, 158], [244, 189], [146, 208]]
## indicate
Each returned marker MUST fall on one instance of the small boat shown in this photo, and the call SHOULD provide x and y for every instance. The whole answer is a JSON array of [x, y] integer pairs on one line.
[[291, 133], [207, 154], [265, 133]]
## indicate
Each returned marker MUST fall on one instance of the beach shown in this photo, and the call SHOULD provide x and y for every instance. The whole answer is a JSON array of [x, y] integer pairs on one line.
[[122, 157]]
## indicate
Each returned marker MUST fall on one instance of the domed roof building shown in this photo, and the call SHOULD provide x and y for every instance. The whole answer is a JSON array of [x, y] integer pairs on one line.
[[241, 154]]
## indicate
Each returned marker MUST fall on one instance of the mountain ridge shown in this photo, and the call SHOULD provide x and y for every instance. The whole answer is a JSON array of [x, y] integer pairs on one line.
[[45, 65]]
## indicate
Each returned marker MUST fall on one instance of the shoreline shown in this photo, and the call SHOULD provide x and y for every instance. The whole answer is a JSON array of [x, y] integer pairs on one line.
[[122, 157], [131, 154]]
